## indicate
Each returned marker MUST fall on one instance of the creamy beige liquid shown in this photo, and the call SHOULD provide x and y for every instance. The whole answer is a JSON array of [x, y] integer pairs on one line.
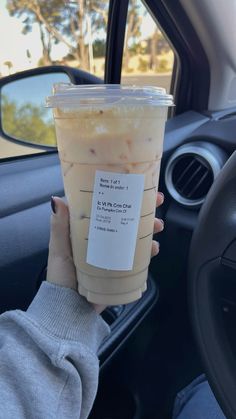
[[120, 139]]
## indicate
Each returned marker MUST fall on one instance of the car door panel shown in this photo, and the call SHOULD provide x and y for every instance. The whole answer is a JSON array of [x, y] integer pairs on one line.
[[26, 186]]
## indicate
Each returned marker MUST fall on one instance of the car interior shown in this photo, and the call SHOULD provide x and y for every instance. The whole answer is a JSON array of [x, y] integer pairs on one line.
[[184, 324]]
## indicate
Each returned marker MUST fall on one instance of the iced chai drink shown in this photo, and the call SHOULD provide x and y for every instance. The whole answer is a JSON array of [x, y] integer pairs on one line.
[[110, 140]]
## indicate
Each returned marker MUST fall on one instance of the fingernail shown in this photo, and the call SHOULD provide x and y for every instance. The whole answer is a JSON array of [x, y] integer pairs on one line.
[[157, 247], [163, 196], [53, 205], [162, 222]]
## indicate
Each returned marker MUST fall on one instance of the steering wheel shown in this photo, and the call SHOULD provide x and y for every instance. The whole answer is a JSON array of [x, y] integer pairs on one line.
[[212, 261]]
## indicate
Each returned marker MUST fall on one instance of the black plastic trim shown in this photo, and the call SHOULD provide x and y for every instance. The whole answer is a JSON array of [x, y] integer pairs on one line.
[[75, 75], [26, 156], [129, 319], [117, 17]]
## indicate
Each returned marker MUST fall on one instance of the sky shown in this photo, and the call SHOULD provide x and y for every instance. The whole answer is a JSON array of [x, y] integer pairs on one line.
[[14, 45]]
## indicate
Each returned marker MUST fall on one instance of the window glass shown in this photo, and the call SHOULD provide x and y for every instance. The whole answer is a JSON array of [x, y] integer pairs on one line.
[[56, 32], [148, 58]]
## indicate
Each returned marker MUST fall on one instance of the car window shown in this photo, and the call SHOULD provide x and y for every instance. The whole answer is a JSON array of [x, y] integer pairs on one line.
[[71, 33], [148, 58]]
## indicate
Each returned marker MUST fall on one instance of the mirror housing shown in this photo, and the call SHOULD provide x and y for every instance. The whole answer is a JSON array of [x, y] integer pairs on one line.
[[23, 118]]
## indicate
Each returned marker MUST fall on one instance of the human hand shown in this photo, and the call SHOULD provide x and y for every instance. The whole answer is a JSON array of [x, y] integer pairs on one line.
[[61, 268], [158, 225]]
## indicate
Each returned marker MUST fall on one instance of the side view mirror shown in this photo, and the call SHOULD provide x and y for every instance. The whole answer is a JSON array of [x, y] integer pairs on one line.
[[23, 116]]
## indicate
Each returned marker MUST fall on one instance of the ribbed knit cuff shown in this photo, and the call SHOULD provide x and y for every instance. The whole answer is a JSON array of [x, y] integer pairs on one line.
[[64, 314]]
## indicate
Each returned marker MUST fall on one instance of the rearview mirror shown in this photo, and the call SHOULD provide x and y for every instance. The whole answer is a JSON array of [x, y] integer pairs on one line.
[[23, 113]]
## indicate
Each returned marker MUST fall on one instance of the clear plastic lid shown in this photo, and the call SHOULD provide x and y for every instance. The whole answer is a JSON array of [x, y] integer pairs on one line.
[[70, 95]]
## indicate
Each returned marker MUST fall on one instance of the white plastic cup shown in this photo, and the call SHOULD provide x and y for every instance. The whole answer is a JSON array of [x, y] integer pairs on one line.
[[110, 140]]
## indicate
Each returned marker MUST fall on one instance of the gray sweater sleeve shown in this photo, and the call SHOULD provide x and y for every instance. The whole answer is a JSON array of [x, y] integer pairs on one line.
[[48, 363]]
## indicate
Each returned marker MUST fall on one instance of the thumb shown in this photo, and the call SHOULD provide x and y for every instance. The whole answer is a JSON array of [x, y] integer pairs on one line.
[[61, 269]]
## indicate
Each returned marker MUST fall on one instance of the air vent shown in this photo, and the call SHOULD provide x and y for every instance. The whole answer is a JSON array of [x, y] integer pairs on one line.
[[192, 177], [191, 171]]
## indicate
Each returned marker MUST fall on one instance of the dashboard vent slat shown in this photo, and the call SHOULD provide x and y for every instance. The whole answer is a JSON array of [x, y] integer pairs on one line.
[[185, 172], [191, 177], [198, 184]]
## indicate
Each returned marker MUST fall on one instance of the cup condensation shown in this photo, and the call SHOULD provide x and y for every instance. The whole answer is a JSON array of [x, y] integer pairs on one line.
[[112, 129]]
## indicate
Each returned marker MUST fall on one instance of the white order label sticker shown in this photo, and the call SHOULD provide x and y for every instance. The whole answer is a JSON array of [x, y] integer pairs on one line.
[[115, 214]]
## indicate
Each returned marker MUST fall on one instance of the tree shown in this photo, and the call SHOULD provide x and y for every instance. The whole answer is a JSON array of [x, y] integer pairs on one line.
[[153, 50], [19, 8], [63, 21], [46, 41], [157, 45], [99, 48], [134, 20], [9, 66], [27, 123]]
